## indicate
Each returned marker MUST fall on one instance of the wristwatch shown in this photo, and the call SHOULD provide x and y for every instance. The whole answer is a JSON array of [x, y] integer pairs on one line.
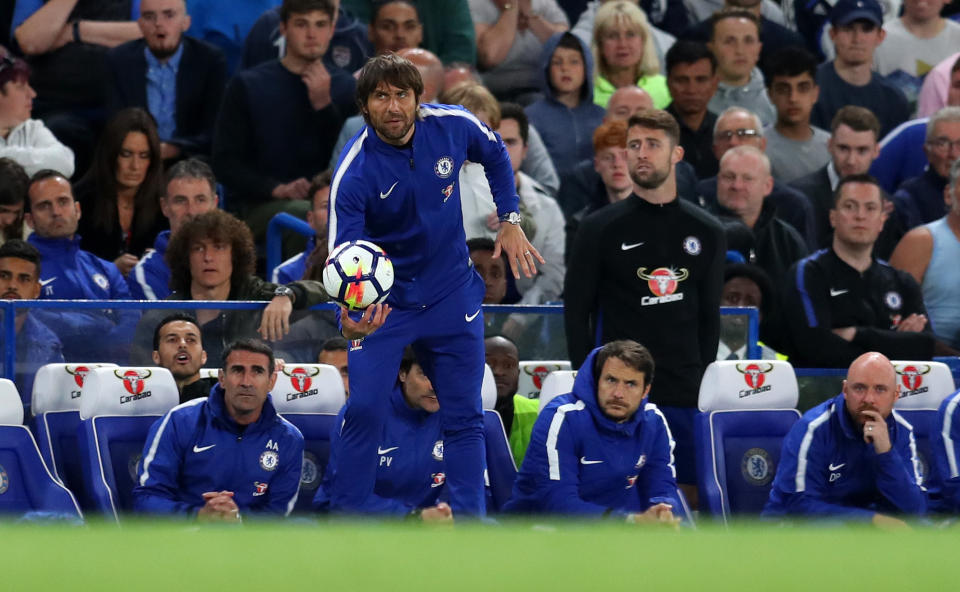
[[285, 291], [512, 218]]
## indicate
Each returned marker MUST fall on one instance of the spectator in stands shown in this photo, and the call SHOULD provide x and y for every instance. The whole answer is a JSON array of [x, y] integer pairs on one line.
[[735, 41], [585, 18], [294, 268], [191, 190], [738, 127], [448, 30], [36, 343], [410, 471], [743, 185], [197, 454], [66, 43], [692, 80], [602, 449], [567, 114], [25, 140], [744, 284], [625, 53], [431, 70], [851, 457], [211, 257], [226, 24], [773, 35], [916, 41], [334, 352], [857, 31], [74, 274], [178, 347], [395, 25], [510, 38], [795, 148], [178, 79], [517, 411], [941, 87], [349, 46], [626, 102], [844, 302], [492, 269], [665, 254], [265, 155], [120, 193], [930, 253], [13, 192], [920, 200]]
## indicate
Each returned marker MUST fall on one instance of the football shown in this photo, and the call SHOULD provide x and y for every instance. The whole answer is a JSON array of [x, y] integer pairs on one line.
[[358, 274]]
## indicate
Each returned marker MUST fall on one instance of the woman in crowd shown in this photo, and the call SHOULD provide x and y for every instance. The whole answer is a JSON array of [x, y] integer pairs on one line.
[[119, 195], [625, 52]]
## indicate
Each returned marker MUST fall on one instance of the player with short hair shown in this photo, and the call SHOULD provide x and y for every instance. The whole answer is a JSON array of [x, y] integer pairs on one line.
[[178, 347], [399, 190]]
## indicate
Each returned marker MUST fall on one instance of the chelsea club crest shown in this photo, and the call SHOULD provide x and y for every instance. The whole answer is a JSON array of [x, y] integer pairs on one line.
[[444, 167]]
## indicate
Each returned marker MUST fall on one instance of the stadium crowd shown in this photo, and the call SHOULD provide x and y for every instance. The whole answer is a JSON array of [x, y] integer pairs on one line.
[[669, 158]]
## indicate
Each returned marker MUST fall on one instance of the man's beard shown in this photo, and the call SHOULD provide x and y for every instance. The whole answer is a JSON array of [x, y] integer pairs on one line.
[[653, 180]]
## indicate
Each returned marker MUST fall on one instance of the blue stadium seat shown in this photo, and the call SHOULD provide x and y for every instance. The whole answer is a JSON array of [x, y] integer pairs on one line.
[[55, 403], [533, 373], [26, 484], [117, 408], [747, 407], [922, 387], [309, 396]]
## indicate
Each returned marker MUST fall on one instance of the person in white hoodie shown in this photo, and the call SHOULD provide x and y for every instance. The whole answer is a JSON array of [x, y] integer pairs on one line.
[[23, 140]]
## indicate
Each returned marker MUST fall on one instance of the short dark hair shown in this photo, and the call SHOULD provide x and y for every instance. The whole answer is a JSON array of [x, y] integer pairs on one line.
[[318, 182], [790, 61], [13, 183], [173, 318], [757, 275], [482, 243], [43, 175], [377, 6], [12, 69], [190, 168], [859, 119], [657, 119], [730, 13], [393, 70], [859, 178], [334, 344], [569, 41], [292, 7], [20, 249], [219, 226], [630, 353], [515, 112], [249, 345], [689, 52], [408, 360], [955, 68]]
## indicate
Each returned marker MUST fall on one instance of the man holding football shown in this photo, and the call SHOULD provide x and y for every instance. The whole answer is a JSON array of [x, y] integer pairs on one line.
[[396, 186]]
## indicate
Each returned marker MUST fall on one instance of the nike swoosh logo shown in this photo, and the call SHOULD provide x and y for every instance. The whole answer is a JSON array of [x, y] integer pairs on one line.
[[837, 292], [199, 449], [389, 191], [626, 247], [386, 450], [45, 282], [837, 467], [584, 461], [469, 318]]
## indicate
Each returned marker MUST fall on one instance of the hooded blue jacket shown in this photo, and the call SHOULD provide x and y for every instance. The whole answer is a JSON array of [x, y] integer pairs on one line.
[[410, 471], [197, 447], [150, 278], [581, 462], [407, 199], [567, 133], [827, 470]]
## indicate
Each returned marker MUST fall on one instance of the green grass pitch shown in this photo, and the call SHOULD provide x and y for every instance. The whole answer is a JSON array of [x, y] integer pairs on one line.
[[507, 557]]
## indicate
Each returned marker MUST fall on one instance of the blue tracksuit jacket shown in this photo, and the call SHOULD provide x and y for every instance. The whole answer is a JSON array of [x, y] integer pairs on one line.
[[580, 462], [407, 200], [943, 480], [410, 472], [150, 278], [827, 470], [293, 268], [196, 447]]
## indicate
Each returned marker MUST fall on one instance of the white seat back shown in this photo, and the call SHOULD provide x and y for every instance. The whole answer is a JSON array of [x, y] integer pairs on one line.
[[308, 388], [11, 407], [57, 387], [128, 390], [558, 382], [922, 385], [748, 384], [210, 373], [488, 389], [532, 373]]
